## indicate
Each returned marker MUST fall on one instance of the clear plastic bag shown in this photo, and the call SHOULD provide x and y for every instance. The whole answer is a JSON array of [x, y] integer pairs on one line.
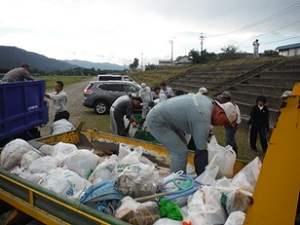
[[138, 180], [138, 213], [104, 170]]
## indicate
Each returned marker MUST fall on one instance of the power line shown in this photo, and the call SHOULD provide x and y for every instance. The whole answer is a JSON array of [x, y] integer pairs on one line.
[[272, 42], [269, 32], [264, 20]]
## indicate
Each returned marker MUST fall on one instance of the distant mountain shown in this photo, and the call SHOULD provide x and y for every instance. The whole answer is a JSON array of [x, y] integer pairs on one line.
[[101, 66], [11, 57]]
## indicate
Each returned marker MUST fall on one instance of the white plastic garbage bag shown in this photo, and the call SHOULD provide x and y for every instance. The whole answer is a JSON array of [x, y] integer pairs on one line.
[[237, 193], [132, 158], [13, 152], [28, 158], [43, 165], [124, 150], [62, 150], [223, 157], [65, 182], [167, 221], [83, 162], [36, 178], [236, 218], [248, 175], [138, 213], [204, 207], [209, 175], [61, 126]]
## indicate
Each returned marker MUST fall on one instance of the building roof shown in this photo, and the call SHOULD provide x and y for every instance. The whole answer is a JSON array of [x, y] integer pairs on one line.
[[284, 47]]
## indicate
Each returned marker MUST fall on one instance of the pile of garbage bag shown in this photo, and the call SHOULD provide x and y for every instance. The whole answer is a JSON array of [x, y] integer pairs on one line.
[[130, 187]]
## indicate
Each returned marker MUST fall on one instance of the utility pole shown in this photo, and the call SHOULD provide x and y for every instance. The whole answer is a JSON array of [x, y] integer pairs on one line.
[[171, 42], [201, 43], [142, 61]]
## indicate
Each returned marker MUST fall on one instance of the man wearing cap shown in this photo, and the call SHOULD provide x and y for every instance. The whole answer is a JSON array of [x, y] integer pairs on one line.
[[170, 120], [121, 108], [259, 124], [231, 128], [18, 74], [146, 96], [283, 97]]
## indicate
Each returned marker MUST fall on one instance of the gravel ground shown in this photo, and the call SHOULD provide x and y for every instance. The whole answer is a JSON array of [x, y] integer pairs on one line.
[[76, 109]]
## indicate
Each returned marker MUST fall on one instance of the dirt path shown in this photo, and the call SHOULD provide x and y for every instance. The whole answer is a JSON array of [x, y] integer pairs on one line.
[[77, 111]]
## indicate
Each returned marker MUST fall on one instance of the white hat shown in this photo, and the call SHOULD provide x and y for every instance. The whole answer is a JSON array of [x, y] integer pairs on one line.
[[286, 94], [203, 90], [225, 94], [143, 85], [230, 110]]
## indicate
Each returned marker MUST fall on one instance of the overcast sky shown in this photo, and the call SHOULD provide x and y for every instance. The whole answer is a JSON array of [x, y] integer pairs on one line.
[[118, 31]]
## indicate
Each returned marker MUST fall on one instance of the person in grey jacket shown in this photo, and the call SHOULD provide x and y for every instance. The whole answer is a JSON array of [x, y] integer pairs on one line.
[[123, 107], [169, 120]]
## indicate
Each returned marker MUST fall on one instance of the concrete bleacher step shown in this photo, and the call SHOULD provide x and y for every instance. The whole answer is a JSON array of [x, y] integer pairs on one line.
[[286, 67], [280, 74], [276, 82], [265, 89], [250, 98]]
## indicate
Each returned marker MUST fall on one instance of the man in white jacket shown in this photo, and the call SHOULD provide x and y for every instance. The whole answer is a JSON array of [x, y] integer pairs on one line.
[[255, 48], [146, 96]]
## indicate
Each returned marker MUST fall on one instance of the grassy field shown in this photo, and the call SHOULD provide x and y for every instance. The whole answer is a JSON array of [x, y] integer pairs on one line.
[[50, 80]]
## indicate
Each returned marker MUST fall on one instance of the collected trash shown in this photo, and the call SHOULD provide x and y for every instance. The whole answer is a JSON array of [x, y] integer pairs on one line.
[[129, 186]]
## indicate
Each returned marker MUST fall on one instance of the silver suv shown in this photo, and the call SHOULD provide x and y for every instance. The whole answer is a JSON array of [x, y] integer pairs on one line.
[[100, 95]]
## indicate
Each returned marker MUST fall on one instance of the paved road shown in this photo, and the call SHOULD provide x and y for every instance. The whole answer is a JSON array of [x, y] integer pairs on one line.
[[77, 111]]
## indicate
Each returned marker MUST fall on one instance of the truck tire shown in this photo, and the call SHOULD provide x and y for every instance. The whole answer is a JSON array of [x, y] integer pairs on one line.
[[101, 107]]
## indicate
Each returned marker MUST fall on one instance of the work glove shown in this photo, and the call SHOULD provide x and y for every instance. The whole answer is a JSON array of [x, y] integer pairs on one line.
[[133, 123]]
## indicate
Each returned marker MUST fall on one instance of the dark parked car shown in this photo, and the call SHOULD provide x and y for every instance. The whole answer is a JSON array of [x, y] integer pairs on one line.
[[100, 95]]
